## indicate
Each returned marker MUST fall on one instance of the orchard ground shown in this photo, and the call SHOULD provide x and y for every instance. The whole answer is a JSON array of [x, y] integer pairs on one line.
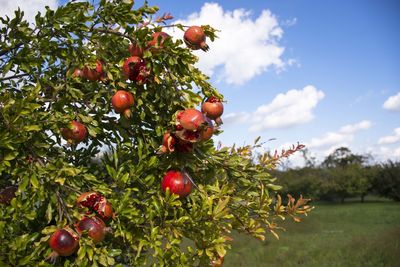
[[350, 234]]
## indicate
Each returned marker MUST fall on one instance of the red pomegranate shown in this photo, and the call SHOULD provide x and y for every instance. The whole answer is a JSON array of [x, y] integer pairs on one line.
[[94, 201], [156, 44], [189, 136], [94, 74], [7, 194], [104, 209], [191, 119], [208, 131], [177, 183], [78, 73], [218, 262], [168, 144], [135, 69], [195, 38], [213, 108], [135, 50], [122, 101], [63, 242], [76, 133], [88, 199], [94, 226]]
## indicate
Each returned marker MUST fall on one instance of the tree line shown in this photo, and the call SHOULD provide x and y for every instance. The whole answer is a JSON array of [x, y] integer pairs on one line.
[[342, 175]]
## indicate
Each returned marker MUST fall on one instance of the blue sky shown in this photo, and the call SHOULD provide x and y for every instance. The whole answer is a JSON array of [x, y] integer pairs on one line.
[[324, 73]]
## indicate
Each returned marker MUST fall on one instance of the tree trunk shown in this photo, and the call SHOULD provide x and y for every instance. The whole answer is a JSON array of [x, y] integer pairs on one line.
[[362, 198], [342, 200]]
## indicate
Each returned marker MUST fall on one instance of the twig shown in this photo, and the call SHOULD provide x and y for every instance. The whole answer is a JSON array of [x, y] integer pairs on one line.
[[115, 33], [63, 207]]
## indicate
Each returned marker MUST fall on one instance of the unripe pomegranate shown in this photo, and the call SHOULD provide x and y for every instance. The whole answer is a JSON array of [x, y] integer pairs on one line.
[[135, 50], [94, 226], [94, 74], [177, 183], [76, 133], [208, 131], [122, 101], [213, 108], [156, 44], [168, 144], [135, 69], [195, 38], [190, 119], [7, 194], [64, 242]]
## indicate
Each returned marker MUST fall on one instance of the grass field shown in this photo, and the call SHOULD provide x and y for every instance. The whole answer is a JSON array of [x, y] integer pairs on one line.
[[350, 234]]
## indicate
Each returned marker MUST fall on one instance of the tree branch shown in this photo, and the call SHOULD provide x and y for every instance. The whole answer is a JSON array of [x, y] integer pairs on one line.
[[13, 77]]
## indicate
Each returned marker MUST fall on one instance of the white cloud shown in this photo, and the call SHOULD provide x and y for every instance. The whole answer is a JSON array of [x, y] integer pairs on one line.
[[392, 103], [352, 128], [339, 138], [287, 109], [234, 118], [390, 139], [244, 47], [30, 7]]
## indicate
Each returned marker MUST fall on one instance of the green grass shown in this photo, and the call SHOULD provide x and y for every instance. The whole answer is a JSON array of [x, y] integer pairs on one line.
[[349, 234]]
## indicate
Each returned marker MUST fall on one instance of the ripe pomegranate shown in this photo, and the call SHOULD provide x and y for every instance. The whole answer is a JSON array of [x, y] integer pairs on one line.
[[217, 262], [213, 108], [122, 101], [208, 131], [183, 147], [189, 136], [190, 119], [96, 202], [77, 132], [195, 38], [135, 69], [157, 43], [88, 199], [135, 50], [168, 144], [78, 73], [94, 74], [63, 242], [7, 194], [177, 183], [94, 226], [104, 209]]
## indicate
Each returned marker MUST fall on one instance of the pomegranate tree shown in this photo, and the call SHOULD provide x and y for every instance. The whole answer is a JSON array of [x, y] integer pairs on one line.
[[63, 77]]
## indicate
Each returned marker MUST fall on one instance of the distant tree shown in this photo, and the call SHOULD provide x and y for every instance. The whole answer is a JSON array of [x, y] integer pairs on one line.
[[347, 172], [387, 182]]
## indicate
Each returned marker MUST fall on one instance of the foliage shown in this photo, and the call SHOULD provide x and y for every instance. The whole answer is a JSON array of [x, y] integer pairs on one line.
[[341, 175], [39, 96], [387, 182]]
